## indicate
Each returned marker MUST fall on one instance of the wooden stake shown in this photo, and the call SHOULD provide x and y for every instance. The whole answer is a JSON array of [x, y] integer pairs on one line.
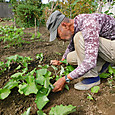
[[35, 28]]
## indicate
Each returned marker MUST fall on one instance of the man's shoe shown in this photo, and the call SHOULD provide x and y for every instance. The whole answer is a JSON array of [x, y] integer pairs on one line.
[[87, 83]]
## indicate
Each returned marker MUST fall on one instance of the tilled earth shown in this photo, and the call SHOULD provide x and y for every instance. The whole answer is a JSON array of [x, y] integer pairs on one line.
[[16, 104]]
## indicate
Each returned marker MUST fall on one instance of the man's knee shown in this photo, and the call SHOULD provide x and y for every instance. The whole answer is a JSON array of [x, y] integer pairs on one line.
[[72, 58]]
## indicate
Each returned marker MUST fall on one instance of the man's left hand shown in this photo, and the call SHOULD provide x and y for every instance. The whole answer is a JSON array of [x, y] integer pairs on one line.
[[59, 84]]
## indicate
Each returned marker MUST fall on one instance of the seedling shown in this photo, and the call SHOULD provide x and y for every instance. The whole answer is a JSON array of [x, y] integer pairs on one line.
[[59, 110], [94, 90], [27, 112], [110, 75], [12, 36], [58, 53], [40, 57]]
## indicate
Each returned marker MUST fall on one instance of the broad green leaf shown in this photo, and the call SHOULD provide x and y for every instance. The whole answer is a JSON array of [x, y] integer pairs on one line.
[[43, 90], [25, 70], [27, 112], [104, 75], [30, 79], [46, 66], [46, 82], [95, 89], [40, 112], [1, 63], [41, 72], [21, 86], [40, 66], [58, 53], [67, 87], [89, 97], [4, 93], [57, 77], [111, 70], [55, 68], [14, 58], [41, 100], [11, 84], [30, 87], [18, 67], [70, 68], [39, 76], [25, 64], [39, 56], [43, 67], [8, 63], [40, 80], [65, 61], [62, 110], [17, 75], [48, 74], [33, 71]]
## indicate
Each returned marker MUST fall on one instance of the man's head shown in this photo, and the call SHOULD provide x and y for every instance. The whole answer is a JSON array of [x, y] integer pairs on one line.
[[59, 26], [53, 22]]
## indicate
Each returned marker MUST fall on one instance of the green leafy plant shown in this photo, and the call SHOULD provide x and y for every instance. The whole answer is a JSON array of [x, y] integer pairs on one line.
[[110, 75], [40, 57], [28, 82], [94, 90], [27, 112], [36, 81], [64, 71], [59, 110], [35, 36], [62, 110], [71, 8], [12, 36], [26, 11], [22, 62], [2, 67], [58, 53]]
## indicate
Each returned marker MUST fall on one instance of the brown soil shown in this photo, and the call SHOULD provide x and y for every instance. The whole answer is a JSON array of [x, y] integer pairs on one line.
[[16, 104]]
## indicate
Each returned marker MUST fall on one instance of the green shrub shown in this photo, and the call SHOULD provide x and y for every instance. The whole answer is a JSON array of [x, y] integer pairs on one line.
[[26, 12]]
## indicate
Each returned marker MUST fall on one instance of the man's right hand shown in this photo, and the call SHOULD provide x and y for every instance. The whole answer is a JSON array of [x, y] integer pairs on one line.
[[55, 62]]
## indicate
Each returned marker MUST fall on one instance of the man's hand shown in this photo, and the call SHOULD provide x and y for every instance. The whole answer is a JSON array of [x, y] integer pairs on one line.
[[55, 62], [59, 84]]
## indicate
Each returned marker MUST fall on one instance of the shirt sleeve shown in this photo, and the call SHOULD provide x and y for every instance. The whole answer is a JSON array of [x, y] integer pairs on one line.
[[90, 31], [69, 48]]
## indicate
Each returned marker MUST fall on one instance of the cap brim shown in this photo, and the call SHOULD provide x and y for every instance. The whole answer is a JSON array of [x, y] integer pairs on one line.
[[53, 35]]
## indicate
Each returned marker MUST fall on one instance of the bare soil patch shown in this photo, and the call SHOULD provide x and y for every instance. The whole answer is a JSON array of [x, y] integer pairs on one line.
[[16, 104]]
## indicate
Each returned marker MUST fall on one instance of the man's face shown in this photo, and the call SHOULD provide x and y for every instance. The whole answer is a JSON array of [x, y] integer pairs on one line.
[[64, 33]]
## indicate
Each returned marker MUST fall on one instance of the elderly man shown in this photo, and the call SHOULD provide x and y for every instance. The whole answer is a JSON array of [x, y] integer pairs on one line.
[[92, 45]]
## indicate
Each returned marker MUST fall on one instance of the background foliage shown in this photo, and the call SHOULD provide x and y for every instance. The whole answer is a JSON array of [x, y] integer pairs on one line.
[[26, 11]]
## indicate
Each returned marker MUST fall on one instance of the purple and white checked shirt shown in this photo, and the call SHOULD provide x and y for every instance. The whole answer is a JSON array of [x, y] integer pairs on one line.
[[92, 26]]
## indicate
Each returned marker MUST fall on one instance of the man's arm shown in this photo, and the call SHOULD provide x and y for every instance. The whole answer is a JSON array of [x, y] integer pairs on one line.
[[90, 32], [69, 49]]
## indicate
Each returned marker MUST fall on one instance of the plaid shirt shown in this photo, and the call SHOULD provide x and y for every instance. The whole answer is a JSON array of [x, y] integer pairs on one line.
[[92, 26]]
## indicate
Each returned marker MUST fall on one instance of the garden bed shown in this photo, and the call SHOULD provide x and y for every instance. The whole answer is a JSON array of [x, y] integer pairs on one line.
[[16, 104]]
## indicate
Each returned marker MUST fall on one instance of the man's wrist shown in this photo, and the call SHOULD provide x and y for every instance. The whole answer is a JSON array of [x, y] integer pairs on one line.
[[67, 79]]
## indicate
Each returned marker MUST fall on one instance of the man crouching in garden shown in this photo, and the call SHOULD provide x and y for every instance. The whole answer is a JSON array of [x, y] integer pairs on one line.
[[92, 45]]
